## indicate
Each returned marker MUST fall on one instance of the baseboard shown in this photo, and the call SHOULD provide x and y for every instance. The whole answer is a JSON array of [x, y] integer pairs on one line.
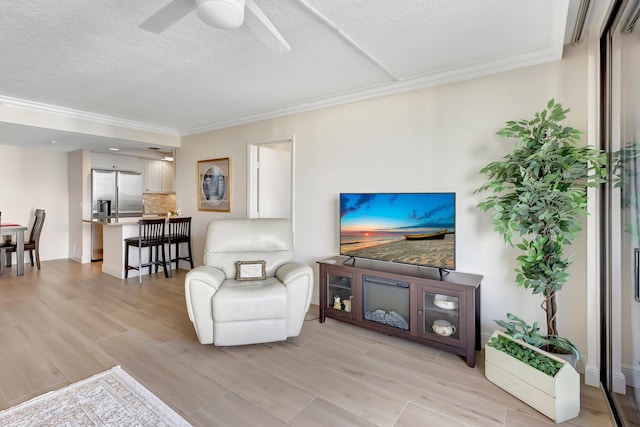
[[117, 272], [592, 375], [484, 338], [631, 376], [619, 383]]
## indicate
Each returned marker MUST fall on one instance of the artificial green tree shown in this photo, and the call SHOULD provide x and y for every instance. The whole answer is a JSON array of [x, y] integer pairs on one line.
[[538, 197]]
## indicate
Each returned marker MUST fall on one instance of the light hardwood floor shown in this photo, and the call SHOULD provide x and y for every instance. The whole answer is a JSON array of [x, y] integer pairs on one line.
[[68, 321]]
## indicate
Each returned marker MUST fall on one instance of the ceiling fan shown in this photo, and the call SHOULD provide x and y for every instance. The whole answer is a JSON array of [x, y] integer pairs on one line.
[[224, 14]]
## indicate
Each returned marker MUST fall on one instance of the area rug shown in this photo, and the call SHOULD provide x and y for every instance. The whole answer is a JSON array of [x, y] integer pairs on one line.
[[110, 398]]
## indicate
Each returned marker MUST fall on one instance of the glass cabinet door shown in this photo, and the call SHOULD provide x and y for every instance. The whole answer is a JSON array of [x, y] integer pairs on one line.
[[340, 293], [442, 316]]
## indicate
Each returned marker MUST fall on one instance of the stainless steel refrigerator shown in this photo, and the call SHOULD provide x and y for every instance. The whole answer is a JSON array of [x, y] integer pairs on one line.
[[113, 194]]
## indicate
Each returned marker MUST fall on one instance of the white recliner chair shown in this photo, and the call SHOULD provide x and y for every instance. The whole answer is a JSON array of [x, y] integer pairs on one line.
[[226, 309]]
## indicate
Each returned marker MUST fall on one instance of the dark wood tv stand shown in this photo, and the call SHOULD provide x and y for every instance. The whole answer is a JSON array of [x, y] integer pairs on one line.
[[398, 300]]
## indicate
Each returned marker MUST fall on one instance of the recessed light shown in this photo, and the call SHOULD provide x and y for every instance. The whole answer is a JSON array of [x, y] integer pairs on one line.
[[114, 149], [52, 142]]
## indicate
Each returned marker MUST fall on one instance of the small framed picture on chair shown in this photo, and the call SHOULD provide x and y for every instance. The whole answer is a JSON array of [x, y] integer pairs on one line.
[[214, 185], [251, 270]]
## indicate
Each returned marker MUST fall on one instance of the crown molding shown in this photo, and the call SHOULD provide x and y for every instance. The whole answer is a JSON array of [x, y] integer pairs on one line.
[[551, 52], [442, 77], [38, 107]]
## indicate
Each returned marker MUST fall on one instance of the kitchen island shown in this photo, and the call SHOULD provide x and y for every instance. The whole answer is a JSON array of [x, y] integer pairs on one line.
[[114, 231]]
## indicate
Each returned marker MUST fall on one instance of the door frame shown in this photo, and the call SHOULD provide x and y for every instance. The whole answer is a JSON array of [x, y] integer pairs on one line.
[[612, 373], [252, 176]]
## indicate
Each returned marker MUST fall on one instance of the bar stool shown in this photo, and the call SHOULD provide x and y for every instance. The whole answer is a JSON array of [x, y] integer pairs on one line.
[[150, 235], [179, 232]]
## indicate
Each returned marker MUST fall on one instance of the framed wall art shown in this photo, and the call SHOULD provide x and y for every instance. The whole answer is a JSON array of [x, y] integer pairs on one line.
[[214, 185]]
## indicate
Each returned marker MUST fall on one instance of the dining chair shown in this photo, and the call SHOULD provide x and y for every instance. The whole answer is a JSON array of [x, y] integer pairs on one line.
[[179, 232], [32, 245], [150, 235]]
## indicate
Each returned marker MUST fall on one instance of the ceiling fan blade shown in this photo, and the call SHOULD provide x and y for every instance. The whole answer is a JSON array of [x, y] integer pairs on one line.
[[168, 15], [264, 29]]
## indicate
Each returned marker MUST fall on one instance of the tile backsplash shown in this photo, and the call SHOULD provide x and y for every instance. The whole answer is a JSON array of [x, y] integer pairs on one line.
[[159, 203]]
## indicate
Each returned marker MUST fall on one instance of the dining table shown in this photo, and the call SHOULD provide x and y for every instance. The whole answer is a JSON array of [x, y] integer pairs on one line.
[[18, 231]]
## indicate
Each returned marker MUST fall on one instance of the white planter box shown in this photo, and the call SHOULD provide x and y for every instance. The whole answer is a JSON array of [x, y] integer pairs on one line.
[[556, 397]]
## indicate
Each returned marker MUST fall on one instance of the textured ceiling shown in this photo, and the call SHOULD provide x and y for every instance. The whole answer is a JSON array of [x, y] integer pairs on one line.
[[92, 57]]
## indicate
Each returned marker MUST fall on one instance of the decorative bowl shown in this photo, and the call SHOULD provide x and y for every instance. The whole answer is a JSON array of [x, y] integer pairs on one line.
[[444, 328], [446, 302]]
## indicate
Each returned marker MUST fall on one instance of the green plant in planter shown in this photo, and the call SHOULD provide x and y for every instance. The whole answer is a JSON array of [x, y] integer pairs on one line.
[[526, 355], [518, 329], [539, 194]]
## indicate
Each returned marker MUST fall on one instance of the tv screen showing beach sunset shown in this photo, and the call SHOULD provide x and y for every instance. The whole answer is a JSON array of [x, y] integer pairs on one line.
[[409, 228]]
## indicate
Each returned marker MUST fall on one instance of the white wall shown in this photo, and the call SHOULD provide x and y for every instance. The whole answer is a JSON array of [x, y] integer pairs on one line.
[[273, 189], [34, 179], [434, 139], [80, 205]]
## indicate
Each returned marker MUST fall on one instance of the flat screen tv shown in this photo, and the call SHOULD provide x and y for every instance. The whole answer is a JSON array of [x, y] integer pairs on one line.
[[407, 228]]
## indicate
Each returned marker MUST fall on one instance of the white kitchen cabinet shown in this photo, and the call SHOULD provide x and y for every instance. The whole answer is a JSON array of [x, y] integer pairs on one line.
[[158, 176], [168, 174], [115, 162]]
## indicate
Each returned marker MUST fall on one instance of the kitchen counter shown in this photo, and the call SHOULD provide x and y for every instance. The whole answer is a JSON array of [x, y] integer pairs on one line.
[[115, 230], [119, 220]]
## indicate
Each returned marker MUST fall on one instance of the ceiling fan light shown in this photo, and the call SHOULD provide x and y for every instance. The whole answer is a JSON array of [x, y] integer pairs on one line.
[[225, 14]]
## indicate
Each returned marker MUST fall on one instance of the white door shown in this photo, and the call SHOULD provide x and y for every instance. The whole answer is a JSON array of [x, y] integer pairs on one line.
[[271, 179]]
